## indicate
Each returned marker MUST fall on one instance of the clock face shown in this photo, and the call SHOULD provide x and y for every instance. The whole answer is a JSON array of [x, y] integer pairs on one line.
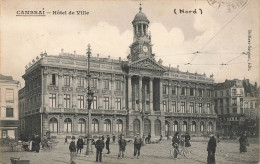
[[145, 49]]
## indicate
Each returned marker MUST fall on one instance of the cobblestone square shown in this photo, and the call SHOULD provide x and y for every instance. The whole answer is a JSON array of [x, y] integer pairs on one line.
[[227, 152]]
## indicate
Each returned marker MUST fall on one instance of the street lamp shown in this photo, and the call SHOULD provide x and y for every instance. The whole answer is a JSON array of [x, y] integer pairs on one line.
[[90, 94]]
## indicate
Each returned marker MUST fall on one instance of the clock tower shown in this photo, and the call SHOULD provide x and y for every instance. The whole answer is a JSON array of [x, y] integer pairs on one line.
[[141, 46]]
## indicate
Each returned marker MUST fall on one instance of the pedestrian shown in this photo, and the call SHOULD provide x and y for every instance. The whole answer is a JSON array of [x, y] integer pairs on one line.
[[37, 143], [99, 148], [212, 144], [103, 138], [66, 140], [149, 138], [72, 149], [114, 138], [122, 146], [187, 140], [137, 145], [80, 144], [161, 138], [243, 142], [107, 144], [175, 144]]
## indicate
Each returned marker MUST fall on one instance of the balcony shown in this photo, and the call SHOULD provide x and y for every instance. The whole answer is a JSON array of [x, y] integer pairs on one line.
[[53, 88]]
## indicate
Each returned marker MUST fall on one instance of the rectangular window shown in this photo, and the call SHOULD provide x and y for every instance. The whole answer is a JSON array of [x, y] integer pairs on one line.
[[227, 101], [174, 106], [241, 92], [241, 102], [4, 134], [164, 106], [234, 92], [80, 101], [94, 102], [183, 107], [9, 95], [174, 90], [221, 93], [200, 107], [52, 100], [234, 101], [81, 81], [227, 92], [234, 110], [164, 89], [106, 102], [9, 112], [246, 105], [208, 93], [67, 80], [208, 108], [53, 79], [183, 89], [94, 83], [66, 100], [227, 110], [118, 85], [200, 92], [192, 110], [191, 91], [106, 84], [118, 103], [216, 94], [221, 102]]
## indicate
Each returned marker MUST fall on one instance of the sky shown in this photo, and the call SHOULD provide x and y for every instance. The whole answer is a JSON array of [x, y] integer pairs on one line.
[[220, 36]]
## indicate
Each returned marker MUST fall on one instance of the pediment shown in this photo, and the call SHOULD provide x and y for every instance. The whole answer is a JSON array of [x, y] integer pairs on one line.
[[148, 64]]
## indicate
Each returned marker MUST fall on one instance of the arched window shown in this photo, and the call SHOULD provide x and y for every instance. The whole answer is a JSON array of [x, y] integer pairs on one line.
[[202, 126], [175, 126], [157, 127], [94, 126], [53, 123], [193, 126], [119, 126], [82, 125], [67, 125], [136, 126], [107, 125], [147, 126], [184, 126], [210, 127], [166, 127]]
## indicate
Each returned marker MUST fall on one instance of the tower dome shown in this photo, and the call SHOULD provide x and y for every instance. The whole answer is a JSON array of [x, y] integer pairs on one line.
[[140, 17]]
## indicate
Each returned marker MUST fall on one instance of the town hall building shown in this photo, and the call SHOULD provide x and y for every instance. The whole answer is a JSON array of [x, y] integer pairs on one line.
[[139, 95]]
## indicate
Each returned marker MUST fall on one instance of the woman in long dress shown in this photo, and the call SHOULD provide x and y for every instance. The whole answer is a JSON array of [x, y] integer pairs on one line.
[[243, 141]]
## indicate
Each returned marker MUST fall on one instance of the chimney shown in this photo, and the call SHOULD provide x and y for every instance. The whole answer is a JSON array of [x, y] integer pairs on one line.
[[256, 85], [119, 59]]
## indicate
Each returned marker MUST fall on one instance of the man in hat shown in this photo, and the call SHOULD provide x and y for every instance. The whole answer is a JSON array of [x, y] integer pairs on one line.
[[175, 144], [80, 144], [99, 146], [122, 145], [212, 144], [107, 144], [137, 145], [72, 148]]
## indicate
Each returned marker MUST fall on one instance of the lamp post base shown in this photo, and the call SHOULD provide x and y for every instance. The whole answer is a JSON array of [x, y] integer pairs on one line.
[[89, 150]]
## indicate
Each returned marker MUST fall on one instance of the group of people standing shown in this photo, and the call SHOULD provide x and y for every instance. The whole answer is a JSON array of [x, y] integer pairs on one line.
[[177, 140]]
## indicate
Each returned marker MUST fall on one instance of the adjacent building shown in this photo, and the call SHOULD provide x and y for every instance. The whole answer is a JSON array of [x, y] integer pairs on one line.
[[137, 95], [235, 104], [9, 107]]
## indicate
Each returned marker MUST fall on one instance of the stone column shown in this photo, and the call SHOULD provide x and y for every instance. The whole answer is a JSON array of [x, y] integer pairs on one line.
[[188, 99], [112, 107], [151, 93], [124, 94], [161, 94], [129, 92], [169, 96], [74, 93], [60, 95], [100, 95], [45, 89], [142, 29], [178, 104], [140, 93]]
